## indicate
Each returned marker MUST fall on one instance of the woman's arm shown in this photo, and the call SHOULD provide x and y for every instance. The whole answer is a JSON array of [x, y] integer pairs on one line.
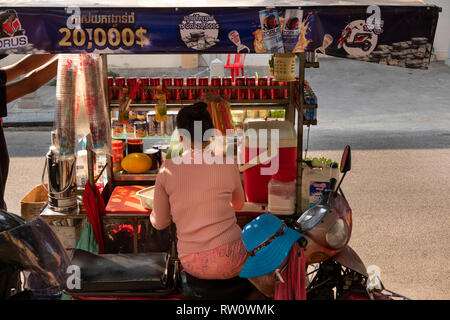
[[26, 65], [160, 216], [237, 197], [32, 81]]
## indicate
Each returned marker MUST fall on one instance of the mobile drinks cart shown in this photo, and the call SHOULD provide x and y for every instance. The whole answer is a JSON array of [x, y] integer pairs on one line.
[[398, 33]]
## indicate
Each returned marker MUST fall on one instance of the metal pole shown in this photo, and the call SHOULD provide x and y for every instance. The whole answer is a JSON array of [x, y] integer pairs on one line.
[[109, 159], [90, 161], [301, 61], [290, 111]]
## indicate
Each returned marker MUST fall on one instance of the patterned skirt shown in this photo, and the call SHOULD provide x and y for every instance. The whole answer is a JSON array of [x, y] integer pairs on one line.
[[223, 262]]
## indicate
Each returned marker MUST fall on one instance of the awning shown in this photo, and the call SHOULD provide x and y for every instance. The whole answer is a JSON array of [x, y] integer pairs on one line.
[[398, 33]]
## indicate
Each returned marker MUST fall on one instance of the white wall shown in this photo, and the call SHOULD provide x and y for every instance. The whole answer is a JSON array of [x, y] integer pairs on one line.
[[144, 61], [250, 59], [442, 38]]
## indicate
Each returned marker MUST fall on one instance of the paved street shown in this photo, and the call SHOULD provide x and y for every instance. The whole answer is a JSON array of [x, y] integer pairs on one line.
[[397, 122]]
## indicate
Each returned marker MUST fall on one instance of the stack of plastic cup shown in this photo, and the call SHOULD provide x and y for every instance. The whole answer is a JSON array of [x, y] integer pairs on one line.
[[95, 102], [66, 105]]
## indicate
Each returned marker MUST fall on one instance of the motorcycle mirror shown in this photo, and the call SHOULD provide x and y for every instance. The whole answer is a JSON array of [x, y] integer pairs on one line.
[[346, 161]]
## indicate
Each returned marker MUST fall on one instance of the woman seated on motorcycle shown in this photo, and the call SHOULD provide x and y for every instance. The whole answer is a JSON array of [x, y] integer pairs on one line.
[[201, 200]]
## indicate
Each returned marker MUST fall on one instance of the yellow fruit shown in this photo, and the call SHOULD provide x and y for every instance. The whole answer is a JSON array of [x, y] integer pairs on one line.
[[136, 163]]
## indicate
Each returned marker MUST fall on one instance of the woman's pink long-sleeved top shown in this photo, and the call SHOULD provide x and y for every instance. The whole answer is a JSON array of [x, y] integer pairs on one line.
[[201, 199]]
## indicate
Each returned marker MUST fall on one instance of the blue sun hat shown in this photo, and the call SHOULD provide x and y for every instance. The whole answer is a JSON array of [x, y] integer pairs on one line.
[[268, 242]]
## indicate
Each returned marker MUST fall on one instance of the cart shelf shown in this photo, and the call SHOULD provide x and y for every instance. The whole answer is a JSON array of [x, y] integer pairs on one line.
[[134, 177], [235, 105], [145, 138]]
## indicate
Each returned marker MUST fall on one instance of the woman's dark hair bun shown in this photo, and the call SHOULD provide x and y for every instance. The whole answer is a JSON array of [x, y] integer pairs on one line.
[[200, 104], [196, 112]]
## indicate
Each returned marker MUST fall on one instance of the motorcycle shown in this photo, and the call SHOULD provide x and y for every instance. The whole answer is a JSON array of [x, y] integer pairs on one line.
[[29, 251], [338, 272]]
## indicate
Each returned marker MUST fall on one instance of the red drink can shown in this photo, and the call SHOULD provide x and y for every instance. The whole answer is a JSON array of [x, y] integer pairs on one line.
[[263, 93], [251, 92], [202, 82], [274, 92], [154, 82], [216, 82], [241, 94], [167, 82], [191, 93], [227, 92], [179, 93], [143, 93]]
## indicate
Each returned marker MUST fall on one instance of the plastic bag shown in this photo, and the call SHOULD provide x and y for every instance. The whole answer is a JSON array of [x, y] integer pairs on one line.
[[176, 146]]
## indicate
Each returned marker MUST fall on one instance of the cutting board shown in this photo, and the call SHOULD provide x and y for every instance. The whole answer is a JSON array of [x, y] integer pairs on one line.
[[124, 200]]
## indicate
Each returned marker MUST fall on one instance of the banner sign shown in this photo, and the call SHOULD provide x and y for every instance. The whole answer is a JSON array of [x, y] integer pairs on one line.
[[394, 35]]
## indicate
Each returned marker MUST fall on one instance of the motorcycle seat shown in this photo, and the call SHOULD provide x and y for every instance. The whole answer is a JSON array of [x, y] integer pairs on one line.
[[119, 272], [230, 289]]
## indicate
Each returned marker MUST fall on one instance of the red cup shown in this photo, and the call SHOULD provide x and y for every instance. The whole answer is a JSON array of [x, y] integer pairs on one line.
[[110, 81], [120, 82], [263, 94], [216, 81], [202, 82], [251, 92], [110, 88], [285, 90], [131, 83], [241, 94], [143, 93], [227, 92], [191, 93], [154, 82], [274, 92], [179, 93], [167, 82]]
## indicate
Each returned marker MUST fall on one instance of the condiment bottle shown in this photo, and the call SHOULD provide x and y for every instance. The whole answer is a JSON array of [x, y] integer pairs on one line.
[[161, 106]]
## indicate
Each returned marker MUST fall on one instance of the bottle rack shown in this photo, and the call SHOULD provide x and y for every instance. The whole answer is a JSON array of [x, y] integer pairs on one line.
[[289, 104]]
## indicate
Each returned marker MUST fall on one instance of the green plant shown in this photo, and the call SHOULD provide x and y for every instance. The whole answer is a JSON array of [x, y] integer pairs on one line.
[[277, 113], [113, 74]]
